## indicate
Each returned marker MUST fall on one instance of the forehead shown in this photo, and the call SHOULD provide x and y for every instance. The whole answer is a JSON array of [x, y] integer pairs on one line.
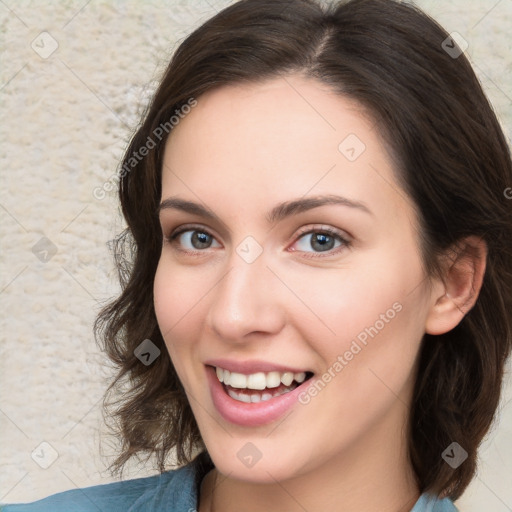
[[269, 141], [278, 113]]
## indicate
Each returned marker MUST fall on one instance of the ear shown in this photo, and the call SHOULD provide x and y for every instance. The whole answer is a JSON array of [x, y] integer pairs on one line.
[[456, 292]]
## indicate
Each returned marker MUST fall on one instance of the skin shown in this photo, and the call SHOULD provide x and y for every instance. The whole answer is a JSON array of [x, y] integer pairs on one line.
[[242, 150]]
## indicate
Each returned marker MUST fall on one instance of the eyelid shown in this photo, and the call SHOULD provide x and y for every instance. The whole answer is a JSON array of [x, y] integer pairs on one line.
[[322, 228], [345, 239], [190, 227]]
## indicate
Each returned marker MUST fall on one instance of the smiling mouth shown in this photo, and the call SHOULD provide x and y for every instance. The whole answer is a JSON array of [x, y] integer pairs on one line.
[[260, 386]]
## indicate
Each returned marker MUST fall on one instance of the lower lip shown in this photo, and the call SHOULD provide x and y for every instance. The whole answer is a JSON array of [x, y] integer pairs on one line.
[[252, 414]]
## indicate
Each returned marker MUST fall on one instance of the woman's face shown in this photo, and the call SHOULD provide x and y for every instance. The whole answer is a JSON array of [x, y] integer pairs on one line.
[[259, 288]]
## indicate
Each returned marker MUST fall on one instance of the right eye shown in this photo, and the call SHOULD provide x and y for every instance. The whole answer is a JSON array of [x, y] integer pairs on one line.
[[195, 239]]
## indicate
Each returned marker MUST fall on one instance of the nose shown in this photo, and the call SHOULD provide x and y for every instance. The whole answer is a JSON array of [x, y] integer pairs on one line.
[[246, 301]]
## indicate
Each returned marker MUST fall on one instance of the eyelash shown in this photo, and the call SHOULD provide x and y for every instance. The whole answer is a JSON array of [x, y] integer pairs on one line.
[[345, 244]]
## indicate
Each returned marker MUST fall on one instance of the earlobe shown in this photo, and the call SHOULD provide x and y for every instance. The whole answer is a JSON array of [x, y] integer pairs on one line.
[[463, 275]]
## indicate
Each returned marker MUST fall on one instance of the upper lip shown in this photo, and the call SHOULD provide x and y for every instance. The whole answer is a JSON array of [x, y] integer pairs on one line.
[[254, 366]]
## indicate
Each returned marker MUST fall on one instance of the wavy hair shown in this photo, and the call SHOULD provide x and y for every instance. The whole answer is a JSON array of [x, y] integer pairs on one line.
[[451, 158]]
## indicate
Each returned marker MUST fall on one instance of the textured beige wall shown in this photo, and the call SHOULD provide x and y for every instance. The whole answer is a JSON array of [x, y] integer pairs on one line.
[[66, 120]]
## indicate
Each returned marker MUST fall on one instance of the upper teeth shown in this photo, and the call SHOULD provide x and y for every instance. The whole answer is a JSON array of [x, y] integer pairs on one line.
[[258, 380]]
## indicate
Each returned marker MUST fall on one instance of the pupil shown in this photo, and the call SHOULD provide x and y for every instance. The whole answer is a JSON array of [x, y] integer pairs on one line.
[[323, 240], [201, 238]]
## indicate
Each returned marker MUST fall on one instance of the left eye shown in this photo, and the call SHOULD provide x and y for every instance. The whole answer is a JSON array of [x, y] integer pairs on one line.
[[320, 241]]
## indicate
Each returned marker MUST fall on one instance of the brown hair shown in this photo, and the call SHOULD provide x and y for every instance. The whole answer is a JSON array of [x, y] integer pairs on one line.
[[452, 160]]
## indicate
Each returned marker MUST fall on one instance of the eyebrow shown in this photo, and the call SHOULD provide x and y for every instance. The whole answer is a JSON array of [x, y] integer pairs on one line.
[[277, 214]]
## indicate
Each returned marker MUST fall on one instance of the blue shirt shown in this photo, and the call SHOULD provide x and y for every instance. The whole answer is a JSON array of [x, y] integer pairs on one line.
[[171, 491]]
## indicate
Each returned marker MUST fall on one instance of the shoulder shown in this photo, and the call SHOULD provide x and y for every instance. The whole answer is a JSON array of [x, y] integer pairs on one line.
[[430, 503], [117, 496], [171, 490]]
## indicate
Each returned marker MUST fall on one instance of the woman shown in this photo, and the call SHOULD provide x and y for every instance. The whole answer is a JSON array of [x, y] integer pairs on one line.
[[319, 268]]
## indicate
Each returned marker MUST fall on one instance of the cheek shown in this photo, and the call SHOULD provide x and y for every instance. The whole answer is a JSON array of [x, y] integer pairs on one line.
[[373, 296], [378, 315], [177, 302], [178, 291]]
